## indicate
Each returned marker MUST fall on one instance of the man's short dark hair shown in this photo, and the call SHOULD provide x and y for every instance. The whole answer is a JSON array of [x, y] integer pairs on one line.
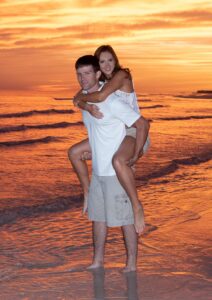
[[87, 60]]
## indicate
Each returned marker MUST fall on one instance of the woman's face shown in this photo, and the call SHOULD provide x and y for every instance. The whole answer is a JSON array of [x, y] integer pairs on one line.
[[107, 63]]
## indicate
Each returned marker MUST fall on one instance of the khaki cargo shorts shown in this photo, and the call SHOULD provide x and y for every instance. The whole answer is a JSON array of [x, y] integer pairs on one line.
[[108, 202]]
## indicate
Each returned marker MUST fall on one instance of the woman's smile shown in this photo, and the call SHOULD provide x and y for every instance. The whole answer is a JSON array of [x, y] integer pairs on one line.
[[107, 63]]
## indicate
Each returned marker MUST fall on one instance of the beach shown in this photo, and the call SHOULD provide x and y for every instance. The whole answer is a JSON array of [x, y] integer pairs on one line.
[[46, 243]]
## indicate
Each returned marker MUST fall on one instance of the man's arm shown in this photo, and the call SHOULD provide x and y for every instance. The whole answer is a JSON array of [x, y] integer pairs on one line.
[[142, 128]]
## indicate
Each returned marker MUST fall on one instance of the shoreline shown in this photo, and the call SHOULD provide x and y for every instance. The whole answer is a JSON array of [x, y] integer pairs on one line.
[[107, 284]]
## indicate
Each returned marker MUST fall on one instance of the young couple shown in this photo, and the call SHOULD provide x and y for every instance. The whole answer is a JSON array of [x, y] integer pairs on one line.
[[118, 136]]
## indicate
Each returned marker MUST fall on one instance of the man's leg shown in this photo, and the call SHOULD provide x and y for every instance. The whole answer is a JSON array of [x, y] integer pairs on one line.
[[99, 238], [131, 243]]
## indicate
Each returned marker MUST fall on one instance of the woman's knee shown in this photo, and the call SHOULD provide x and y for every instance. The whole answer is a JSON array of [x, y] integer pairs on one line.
[[73, 152], [118, 161]]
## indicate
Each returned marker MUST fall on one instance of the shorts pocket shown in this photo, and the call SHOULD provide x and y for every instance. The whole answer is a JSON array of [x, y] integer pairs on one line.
[[122, 207]]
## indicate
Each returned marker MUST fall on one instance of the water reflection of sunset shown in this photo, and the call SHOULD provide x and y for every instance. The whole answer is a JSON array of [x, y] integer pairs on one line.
[[165, 43]]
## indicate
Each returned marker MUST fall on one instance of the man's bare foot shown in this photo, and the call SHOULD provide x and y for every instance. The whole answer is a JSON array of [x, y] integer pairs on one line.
[[130, 264], [139, 220], [95, 265], [128, 269], [85, 204]]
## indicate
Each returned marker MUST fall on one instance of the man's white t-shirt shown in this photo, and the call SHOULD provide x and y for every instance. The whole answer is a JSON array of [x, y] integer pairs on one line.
[[106, 134]]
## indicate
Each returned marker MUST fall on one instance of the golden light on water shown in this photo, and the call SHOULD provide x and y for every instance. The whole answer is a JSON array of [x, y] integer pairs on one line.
[[166, 44]]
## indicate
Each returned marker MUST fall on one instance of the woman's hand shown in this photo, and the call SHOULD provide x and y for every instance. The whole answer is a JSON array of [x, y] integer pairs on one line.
[[75, 102], [133, 159], [76, 98], [94, 111], [79, 97], [86, 156]]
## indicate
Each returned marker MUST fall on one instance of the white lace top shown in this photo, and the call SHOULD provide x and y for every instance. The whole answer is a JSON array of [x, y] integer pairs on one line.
[[129, 98]]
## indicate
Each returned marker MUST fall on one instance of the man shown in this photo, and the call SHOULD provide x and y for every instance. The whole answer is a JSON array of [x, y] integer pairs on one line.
[[108, 203]]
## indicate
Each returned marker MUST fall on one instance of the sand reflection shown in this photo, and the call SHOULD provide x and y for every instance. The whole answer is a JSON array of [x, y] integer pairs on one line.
[[101, 290], [98, 283]]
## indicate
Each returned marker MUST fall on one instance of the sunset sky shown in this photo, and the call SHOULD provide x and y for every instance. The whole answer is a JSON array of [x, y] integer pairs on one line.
[[167, 44]]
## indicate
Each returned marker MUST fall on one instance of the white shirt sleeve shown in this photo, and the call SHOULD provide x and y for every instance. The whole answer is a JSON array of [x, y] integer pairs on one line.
[[124, 112]]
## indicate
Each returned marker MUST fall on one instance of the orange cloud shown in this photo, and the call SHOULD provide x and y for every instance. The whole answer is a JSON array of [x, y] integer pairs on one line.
[[190, 16], [30, 36], [28, 9], [39, 40], [94, 3]]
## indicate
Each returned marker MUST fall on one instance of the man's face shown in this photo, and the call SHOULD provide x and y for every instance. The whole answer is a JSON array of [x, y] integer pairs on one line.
[[87, 78]]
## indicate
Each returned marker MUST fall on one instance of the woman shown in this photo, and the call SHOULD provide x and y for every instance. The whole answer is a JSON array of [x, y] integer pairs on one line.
[[118, 80]]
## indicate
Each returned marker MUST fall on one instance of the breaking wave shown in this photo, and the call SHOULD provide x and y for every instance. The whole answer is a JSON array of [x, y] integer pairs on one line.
[[42, 126], [175, 165], [37, 112], [60, 204], [47, 139]]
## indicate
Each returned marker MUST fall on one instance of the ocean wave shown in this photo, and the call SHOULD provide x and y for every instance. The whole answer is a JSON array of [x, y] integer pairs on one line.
[[152, 106], [201, 94], [175, 164], [185, 118], [37, 112], [194, 160], [42, 126], [144, 100], [60, 204], [62, 98], [47, 139]]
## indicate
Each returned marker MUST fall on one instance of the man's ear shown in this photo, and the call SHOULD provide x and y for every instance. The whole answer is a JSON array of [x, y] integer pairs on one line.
[[98, 74]]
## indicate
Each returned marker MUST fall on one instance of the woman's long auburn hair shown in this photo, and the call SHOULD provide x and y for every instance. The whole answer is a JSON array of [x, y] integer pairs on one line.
[[108, 48]]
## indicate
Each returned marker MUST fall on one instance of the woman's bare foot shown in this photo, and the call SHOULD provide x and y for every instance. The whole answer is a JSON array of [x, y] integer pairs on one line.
[[139, 220], [95, 265], [85, 204]]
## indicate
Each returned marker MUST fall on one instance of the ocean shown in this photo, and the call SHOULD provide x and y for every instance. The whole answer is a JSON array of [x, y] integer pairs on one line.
[[46, 243]]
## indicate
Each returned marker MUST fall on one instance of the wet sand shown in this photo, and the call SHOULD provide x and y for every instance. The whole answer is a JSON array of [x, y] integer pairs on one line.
[[106, 284], [46, 244], [171, 266]]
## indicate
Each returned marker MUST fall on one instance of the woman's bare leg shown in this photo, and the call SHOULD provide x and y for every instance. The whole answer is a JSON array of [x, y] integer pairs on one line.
[[126, 177], [75, 154]]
